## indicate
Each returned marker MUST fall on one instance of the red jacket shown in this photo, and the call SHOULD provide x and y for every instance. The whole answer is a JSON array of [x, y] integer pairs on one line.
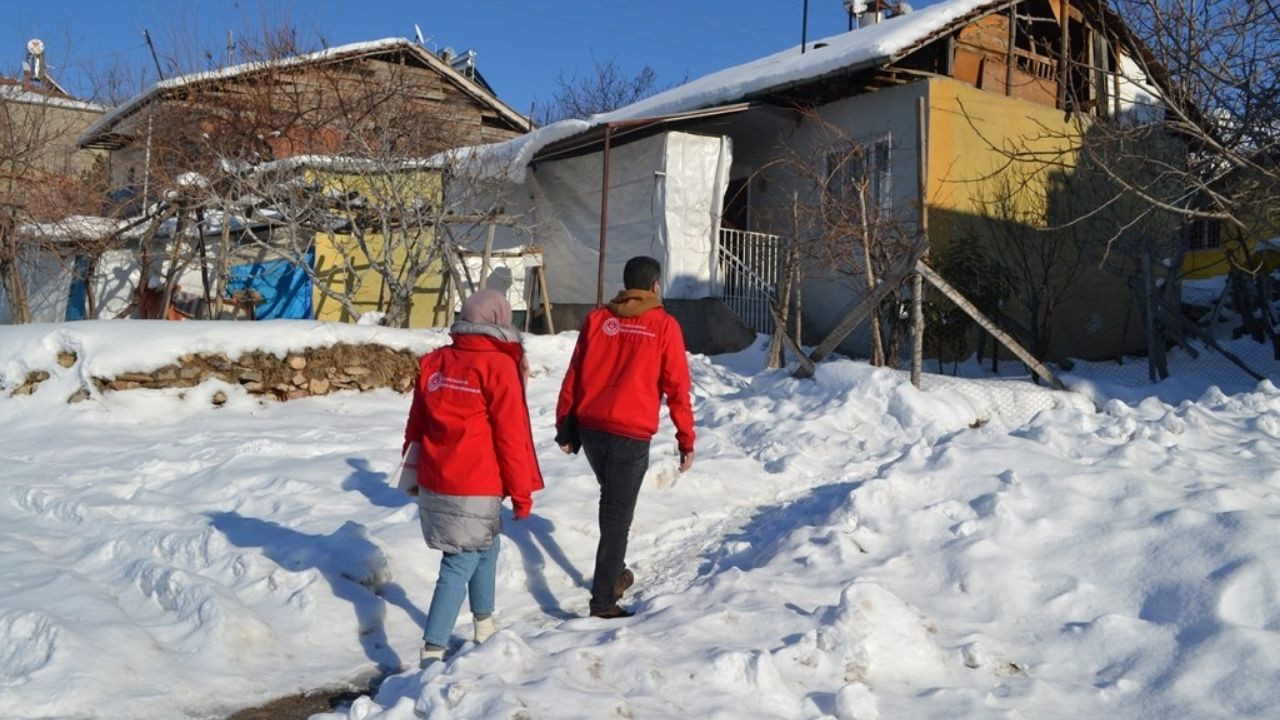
[[470, 415], [629, 354]]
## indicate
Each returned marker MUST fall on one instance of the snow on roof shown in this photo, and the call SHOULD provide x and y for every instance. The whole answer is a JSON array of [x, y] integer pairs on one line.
[[870, 45], [74, 227], [360, 48], [344, 163], [17, 94]]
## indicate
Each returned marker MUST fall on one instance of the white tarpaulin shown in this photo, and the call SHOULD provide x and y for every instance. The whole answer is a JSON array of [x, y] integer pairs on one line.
[[666, 193], [48, 284]]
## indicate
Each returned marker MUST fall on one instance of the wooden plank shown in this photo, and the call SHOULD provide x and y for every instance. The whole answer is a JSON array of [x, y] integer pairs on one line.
[[807, 367], [968, 66], [985, 323], [856, 312], [1204, 336]]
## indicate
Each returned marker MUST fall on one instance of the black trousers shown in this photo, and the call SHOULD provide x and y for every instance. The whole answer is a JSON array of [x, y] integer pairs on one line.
[[619, 464]]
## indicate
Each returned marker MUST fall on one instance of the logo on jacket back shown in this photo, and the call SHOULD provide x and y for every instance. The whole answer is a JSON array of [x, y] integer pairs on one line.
[[437, 380], [612, 326]]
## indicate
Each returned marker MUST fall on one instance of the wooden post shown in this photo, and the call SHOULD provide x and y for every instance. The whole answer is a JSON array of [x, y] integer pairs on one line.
[[1009, 58], [91, 269], [171, 274], [487, 257], [546, 297], [449, 255], [528, 294], [807, 366], [781, 312], [877, 339], [917, 283], [798, 288], [1063, 54], [994, 330]]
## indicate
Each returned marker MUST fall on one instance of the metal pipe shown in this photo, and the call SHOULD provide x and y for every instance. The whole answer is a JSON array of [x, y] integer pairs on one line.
[[804, 28], [604, 213]]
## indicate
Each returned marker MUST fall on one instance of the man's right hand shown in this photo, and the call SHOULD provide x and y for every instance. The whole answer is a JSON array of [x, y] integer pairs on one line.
[[567, 448], [686, 461]]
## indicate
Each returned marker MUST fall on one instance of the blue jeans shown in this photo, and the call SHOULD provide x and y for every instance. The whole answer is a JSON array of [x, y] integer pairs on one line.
[[471, 573]]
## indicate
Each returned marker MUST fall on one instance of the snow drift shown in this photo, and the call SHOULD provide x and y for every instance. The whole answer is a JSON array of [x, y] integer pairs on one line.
[[847, 547]]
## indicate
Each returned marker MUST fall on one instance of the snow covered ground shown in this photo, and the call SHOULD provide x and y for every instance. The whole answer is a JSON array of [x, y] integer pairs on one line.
[[846, 547]]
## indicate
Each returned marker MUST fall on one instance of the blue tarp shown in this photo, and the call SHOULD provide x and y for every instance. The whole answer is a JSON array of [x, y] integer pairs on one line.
[[285, 288], [78, 300]]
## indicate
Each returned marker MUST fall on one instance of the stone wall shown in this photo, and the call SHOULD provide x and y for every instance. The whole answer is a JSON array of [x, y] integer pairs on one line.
[[316, 371]]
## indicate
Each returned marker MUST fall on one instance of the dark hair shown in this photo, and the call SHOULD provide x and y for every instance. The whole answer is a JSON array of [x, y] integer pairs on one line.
[[641, 273]]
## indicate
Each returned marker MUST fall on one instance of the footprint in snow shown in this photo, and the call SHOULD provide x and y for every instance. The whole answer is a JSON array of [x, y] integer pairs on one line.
[[666, 477]]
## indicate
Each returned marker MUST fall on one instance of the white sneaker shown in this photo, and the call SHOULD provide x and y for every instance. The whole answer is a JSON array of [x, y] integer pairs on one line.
[[484, 629], [427, 656]]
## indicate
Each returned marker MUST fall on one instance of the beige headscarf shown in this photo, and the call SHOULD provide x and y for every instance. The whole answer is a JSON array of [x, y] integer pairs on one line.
[[487, 307]]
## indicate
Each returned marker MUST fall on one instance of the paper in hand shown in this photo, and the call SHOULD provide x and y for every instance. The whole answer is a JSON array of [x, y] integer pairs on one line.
[[408, 480]]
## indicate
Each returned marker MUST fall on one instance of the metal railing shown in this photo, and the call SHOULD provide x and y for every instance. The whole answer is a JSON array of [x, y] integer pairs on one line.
[[748, 266]]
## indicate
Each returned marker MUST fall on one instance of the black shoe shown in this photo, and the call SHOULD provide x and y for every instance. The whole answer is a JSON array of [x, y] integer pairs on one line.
[[612, 612], [625, 580]]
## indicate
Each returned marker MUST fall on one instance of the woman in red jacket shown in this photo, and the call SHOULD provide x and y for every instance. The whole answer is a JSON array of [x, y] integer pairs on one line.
[[471, 421]]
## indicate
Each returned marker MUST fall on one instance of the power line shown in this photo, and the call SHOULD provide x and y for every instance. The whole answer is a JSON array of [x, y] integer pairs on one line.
[[614, 31], [762, 38]]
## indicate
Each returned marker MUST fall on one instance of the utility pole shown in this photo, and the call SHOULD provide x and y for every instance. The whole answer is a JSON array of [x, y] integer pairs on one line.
[[154, 58]]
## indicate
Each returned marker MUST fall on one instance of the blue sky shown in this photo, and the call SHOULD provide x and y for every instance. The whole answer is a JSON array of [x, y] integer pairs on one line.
[[522, 45]]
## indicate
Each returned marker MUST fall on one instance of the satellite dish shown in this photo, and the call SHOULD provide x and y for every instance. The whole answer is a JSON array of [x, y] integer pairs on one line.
[[35, 46]]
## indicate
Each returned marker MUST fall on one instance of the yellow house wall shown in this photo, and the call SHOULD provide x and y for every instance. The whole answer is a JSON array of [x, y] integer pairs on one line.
[[343, 266], [332, 268], [1213, 262], [967, 130]]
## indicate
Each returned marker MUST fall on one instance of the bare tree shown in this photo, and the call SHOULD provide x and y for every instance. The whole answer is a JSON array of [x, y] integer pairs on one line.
[[1039, 263], [1174, 131], [606, 87], [42, 178], [844, 220]]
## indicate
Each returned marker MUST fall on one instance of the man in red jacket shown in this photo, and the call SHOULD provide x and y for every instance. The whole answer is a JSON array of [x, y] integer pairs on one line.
[[629, 354]]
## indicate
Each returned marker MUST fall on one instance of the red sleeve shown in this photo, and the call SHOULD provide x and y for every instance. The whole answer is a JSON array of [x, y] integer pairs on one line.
[[512, 436], [568, 388], [673, 380], [414, 428]]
